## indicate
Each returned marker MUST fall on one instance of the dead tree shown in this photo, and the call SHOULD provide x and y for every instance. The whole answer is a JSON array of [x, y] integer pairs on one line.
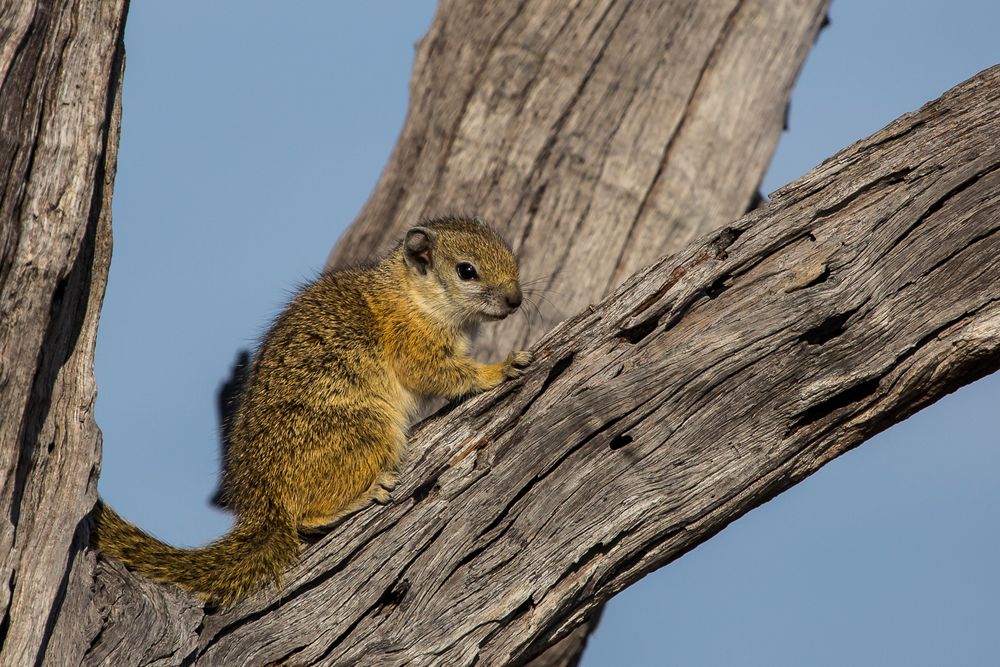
[[599, 136], [708, 382], [60, 67]]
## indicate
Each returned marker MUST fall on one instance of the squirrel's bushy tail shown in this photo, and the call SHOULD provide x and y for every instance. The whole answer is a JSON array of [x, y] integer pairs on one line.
[[254, 553]]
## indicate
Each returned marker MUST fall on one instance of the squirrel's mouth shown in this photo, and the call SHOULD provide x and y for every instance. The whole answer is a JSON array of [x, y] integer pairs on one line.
[[498, 314], [497, 308]]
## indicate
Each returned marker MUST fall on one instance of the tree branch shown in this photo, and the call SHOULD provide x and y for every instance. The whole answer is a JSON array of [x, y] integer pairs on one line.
[[595, 134], [709, 382], [599, 135]]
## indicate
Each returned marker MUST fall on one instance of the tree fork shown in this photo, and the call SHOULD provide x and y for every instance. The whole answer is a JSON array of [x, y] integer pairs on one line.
[[60, 109], [709, 382], [601, 134]]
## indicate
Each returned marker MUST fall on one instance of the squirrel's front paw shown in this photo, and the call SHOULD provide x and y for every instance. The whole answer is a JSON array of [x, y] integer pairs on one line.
[[516, 362]]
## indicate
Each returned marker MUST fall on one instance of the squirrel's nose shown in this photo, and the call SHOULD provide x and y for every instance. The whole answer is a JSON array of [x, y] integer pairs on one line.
[[514, 297]]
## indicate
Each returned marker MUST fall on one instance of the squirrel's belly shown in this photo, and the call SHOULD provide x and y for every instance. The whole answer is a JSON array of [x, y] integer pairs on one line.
[[409, 406]]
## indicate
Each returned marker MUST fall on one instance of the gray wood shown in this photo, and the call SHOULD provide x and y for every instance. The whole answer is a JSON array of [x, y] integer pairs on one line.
[[596, 133], [706, 384], [60, 69]]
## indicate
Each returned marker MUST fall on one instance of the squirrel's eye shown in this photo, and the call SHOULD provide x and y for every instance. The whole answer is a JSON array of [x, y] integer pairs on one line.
[[466, 271]]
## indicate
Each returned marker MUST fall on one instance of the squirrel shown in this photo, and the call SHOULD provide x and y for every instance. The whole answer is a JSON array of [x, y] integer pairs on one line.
[[322, 423]]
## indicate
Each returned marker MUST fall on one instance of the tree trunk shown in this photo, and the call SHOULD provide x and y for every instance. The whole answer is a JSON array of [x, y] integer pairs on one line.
[[706, 384], [597, 135], [60, 67]]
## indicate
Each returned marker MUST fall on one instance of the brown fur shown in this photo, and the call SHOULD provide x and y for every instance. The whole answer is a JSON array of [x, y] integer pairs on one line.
[[322, 423]]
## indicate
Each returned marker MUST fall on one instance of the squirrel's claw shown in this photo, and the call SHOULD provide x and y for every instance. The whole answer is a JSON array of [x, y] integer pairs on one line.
[[516, 362]]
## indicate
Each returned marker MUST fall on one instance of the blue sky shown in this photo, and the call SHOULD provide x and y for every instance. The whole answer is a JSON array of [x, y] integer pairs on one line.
[[252, 135]]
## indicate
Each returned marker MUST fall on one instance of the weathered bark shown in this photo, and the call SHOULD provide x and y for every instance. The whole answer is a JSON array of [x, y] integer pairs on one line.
[[60, 67], [706, 384], [709, 382], [597, 135]]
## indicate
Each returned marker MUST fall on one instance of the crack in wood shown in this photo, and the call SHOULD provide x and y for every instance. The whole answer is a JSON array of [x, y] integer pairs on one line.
[[892, 136], [723, 34], [717, 249], [974, 240], [453, 134], [683, 388], [538, 478], [943, 199], [896, 176], [309, 584], [675, 276], [523, 608], [374, 610], [828, 329], [477, 551], [842, 399], [859, 391], [555, 372], [635, 333], [542, 158]]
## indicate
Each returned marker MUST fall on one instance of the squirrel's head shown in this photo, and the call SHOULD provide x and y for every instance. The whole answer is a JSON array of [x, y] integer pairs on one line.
[[465, 270]]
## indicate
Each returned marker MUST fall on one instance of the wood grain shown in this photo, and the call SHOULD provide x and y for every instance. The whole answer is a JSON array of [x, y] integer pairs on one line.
[[707, 383], [60, 67], [597, 135]]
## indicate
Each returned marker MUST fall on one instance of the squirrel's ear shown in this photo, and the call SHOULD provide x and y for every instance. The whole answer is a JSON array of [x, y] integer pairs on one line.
[[417, 249]]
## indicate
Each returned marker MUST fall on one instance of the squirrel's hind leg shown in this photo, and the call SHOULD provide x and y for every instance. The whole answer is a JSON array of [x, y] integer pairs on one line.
[[381, 491]]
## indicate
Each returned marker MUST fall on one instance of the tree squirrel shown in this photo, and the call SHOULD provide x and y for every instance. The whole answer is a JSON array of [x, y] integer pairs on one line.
[[322, 423]]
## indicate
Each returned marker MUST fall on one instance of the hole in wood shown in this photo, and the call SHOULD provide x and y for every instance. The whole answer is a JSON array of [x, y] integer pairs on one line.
[[828, 329], [721, 284], [620, 441], [427, 488], [636, 333], [393, 595], [725, 239]]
